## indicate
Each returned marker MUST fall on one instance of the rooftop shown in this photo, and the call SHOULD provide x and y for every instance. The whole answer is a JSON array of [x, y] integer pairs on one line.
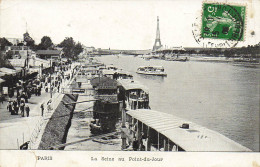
[[195, 138], [129, 84], [48, 52]]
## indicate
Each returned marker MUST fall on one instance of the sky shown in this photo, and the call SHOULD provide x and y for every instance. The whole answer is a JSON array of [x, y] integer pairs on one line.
[[113, 24]]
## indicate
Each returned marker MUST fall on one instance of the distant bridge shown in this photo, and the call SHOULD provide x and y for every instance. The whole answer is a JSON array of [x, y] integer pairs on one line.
[[127, 52]]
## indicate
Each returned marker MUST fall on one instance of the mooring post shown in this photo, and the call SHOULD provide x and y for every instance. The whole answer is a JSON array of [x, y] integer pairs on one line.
[[130, 126], [168, 149], [158, 141], [165, 145], [123, 135], [148, 144]]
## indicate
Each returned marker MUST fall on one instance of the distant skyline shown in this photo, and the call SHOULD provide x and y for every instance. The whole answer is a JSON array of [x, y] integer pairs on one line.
[[113, 24]]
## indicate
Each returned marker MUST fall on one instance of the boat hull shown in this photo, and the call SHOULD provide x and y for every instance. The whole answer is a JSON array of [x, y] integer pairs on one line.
[[157, 74], [183, 60]]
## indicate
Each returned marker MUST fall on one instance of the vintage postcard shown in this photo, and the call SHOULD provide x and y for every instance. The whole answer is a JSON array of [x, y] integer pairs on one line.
[[112, 83]]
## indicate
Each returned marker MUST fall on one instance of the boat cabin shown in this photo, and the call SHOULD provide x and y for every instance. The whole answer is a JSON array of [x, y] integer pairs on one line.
[[134, 94], [106, 89]]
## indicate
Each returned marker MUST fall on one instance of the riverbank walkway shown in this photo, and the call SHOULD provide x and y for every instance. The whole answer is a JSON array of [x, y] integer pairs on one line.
[[16, 130]]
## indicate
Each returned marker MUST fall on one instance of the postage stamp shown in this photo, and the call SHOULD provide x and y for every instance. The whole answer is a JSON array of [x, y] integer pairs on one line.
[[223, 21]]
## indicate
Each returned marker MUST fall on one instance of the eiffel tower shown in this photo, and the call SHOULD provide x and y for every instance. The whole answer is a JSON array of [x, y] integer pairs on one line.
[[157, 43]]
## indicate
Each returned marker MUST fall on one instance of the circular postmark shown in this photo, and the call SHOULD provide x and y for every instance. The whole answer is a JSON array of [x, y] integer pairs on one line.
[[219, 26]]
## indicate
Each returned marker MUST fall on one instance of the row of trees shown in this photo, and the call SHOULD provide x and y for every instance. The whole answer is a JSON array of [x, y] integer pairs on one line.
[[71, 48], [46, 43], [249, 51], [252, 51]]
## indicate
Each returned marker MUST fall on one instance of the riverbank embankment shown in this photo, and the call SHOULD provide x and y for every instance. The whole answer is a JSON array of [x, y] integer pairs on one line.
[[56, 129]]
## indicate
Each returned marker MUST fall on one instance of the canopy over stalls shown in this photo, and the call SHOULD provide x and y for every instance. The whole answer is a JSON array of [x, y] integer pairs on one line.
[[18, 62], [36, 62]]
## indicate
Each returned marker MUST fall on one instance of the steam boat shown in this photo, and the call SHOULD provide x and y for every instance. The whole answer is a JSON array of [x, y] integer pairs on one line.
[[151, 70]]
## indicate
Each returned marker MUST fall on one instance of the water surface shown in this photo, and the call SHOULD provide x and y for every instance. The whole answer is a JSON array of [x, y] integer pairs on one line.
[[220, 96]]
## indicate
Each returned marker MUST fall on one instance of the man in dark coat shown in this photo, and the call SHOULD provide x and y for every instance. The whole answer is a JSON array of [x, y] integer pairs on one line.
[[42, 108], [22, 108], [15, 103], [16, 109], [39, 91], [9, 106], [18, 100], [27, 109]]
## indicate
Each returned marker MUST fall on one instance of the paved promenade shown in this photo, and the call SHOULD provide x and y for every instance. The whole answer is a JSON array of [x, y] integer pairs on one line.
[[16, 130]]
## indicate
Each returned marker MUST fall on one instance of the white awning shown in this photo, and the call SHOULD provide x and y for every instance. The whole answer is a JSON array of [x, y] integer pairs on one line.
[[7, 70], [196, 138], [2, 80]]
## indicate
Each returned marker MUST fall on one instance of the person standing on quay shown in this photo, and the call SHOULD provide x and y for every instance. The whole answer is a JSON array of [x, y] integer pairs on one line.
[[15, 103], [39, 90], [42, 108], [27, 109], [16, 109], [22, 108], [18, 100], [9, 106]]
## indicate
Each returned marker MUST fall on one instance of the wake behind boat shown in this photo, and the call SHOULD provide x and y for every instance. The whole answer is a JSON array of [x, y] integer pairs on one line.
[[151, 70]]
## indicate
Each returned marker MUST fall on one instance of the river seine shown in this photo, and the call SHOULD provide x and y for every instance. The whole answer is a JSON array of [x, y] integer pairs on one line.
[[220, 96]]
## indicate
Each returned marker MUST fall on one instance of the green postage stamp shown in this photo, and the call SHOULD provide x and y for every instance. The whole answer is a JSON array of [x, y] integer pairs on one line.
[[223, 21]]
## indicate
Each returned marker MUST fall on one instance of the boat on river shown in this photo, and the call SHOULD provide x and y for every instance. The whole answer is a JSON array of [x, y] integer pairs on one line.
[[151, 70], [175, 57], [111, 67]]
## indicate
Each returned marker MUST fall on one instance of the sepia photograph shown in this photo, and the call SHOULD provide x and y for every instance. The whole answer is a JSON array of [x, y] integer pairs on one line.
[[129, 81]]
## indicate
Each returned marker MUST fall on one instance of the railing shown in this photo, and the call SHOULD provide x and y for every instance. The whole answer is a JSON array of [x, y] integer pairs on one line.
[[108, 98], [77, 91], [36, 131]]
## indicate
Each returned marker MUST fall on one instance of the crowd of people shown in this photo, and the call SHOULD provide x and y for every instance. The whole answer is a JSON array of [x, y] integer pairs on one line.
[[24, 91], [14, 106], [19, 95], [53, 83]]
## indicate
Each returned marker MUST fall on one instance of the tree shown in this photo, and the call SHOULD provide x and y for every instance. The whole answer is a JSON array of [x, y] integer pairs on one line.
[[4, 61], [70, 48], [31, 44], [46, 43], [29, 41], [78, 49], [4, 42]]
